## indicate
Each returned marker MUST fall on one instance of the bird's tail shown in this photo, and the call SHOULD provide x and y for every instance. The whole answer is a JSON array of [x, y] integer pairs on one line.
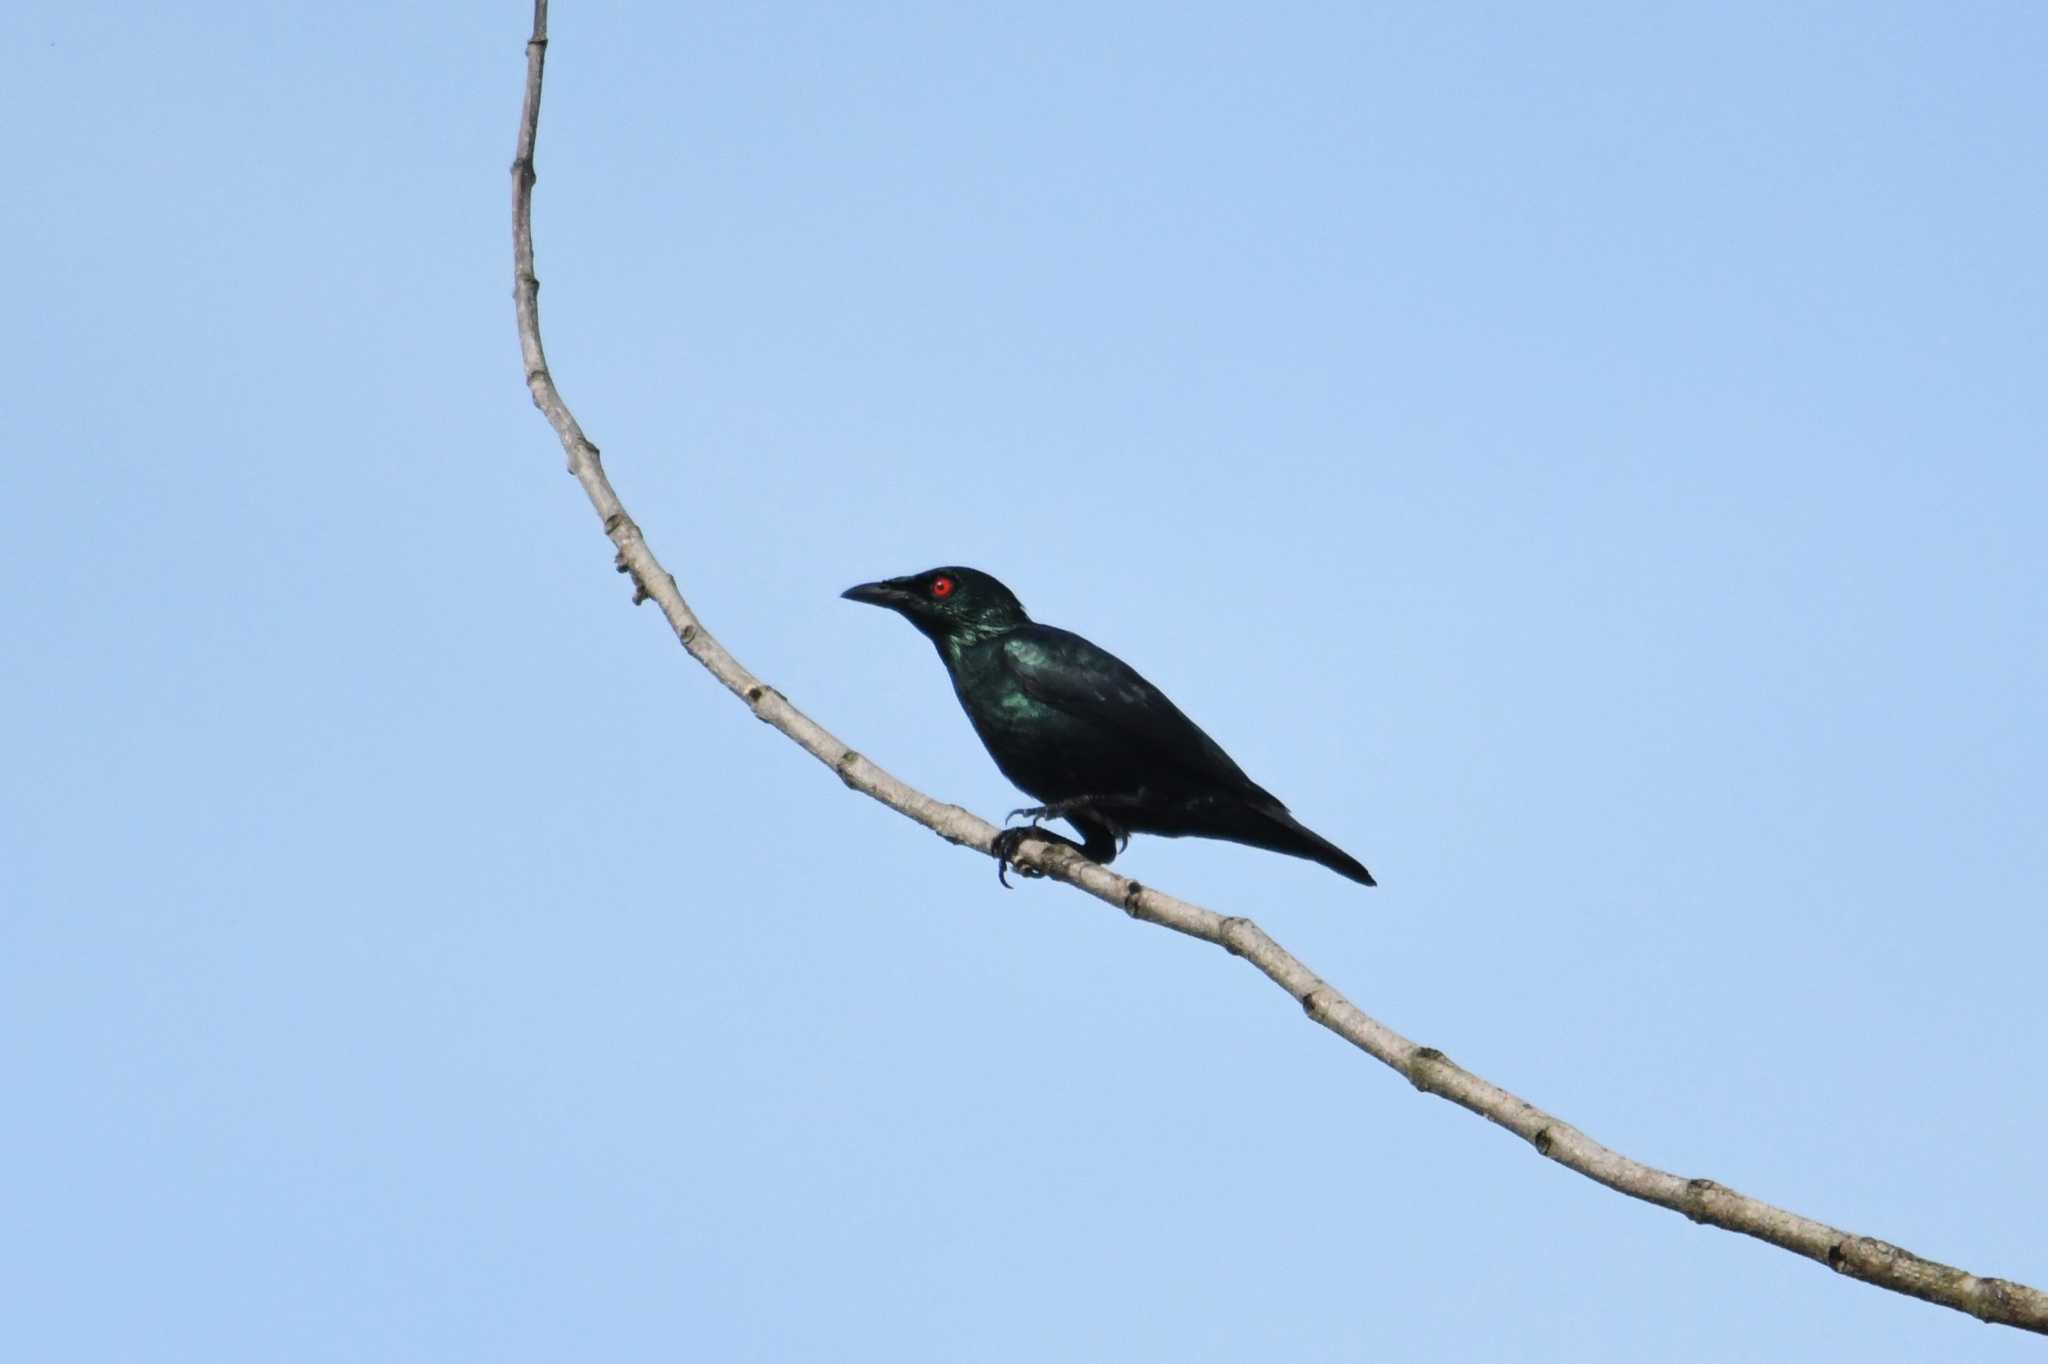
[[1283, 833]]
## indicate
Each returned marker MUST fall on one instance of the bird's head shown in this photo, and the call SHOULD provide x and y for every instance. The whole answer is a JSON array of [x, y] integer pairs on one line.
[[946, 603]]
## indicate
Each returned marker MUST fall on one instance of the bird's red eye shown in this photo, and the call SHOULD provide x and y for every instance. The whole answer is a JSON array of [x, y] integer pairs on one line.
[[942, 587]]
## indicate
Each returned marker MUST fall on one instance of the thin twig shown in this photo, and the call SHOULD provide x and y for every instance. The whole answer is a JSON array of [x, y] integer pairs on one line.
[[1429, 1070]]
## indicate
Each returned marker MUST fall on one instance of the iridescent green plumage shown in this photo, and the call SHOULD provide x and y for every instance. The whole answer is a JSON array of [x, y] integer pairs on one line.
[[1080, 730]]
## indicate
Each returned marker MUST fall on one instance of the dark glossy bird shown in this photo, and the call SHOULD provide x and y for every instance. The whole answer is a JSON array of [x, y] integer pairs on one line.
[[1075, 727]]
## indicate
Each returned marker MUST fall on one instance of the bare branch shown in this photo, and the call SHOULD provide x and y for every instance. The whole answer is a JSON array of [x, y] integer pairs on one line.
[[1429, 1070]]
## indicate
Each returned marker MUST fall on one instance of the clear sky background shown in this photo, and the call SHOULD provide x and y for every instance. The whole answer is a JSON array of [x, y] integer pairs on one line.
[[1588, 460]]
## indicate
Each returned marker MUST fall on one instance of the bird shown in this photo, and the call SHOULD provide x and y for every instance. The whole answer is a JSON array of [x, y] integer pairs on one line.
[[1077, 729]]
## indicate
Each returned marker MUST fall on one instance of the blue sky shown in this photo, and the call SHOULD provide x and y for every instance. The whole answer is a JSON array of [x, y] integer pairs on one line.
[[1588, 462]]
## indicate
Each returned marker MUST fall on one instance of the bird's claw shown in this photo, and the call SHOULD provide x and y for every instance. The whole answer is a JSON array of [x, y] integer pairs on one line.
[[1004, 846], [1094, 809]]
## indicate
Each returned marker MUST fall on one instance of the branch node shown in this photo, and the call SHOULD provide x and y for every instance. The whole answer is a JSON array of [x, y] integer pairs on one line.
[[1869, 1259], [1420, 1062], [1229, 933], [1698, 1196], [1133, 893], [1544, 1140], [1316, 1003], [845, 765], [611, 527], [1997, 1303], [687, 633]]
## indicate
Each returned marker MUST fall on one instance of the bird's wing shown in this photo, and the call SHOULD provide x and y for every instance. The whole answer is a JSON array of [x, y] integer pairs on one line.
[[1060, 669]]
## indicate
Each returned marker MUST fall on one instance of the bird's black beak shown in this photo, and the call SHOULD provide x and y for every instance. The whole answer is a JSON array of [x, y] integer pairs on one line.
[[891, 595]]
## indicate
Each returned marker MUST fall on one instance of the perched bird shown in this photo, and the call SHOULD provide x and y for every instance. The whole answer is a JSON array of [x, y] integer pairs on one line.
[[1077, 728]]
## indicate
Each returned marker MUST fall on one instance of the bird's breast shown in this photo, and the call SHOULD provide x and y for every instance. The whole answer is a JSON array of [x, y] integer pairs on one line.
[[1033, 744], [1044, 750]]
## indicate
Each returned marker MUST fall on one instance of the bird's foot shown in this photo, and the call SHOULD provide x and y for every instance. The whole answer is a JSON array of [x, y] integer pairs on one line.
[[1089, 810], [1094, 807], [1107, 836], [1120, 837], [1006, 843], [1004, 846], [1062, 809]]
